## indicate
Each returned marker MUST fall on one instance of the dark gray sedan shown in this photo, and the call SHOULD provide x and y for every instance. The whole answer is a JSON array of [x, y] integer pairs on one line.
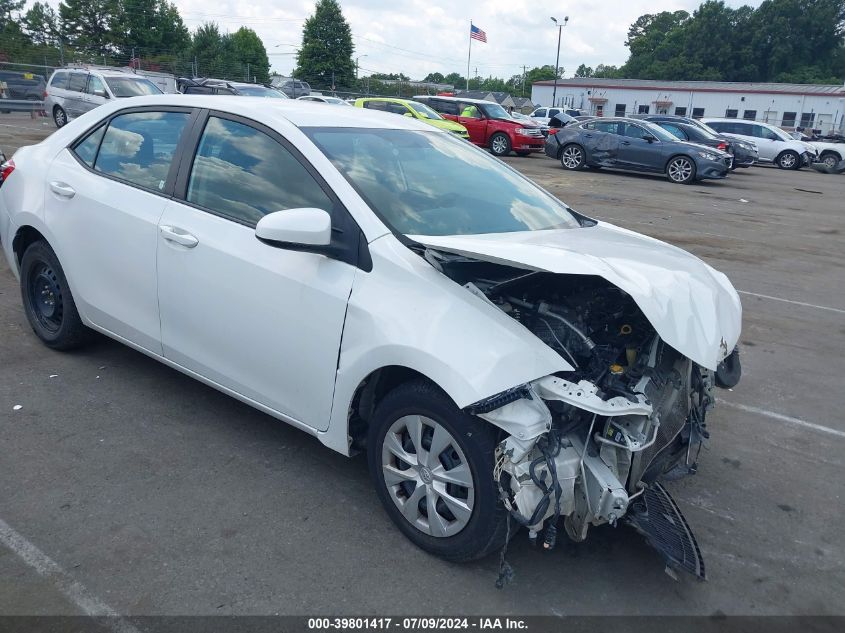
[[622, 143]]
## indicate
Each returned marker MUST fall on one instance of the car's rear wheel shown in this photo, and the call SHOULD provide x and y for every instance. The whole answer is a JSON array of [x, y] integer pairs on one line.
[[432, 465], [59, 116], [788, 160], [47, 300], [681, 170], [572, 157], [500, 144], [830, 159]]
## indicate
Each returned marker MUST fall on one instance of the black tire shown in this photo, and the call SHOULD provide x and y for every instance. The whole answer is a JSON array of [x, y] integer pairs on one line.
[[485, 531], [831, 159], [59, 117], [523, 153], [500, 144], [48, 302], [681, 170], [573, 157], [788, 160]]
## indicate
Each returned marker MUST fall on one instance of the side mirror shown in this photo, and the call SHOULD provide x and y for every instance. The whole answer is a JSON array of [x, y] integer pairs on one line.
[[649, 138], [101, 93], [409, 114], [303, 227]]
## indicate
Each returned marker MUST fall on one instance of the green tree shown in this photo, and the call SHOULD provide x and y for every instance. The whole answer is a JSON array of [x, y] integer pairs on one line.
[[326, 51], [150, 28], [248, 50], [208, 50], [87, 25], [41, 24], [435, 78], [584, 71], [607, 72]]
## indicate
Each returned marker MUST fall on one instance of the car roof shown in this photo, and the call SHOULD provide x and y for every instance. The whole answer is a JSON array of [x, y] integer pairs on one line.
[[282, 111], [390, 99], [722, 119], [467, 100]]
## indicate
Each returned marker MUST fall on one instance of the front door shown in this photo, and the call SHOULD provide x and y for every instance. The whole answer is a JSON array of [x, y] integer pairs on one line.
[[635, 152], [95, 94], [103, 202], [471, 117], [261, 320]]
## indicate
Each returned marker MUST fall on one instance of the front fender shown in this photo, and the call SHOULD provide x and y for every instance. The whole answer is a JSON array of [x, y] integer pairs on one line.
[[406, 313]]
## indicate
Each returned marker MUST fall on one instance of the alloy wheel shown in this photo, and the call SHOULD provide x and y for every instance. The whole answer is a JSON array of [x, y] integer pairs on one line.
[[427, 476], [787, 161], [59, 117], [680, 170], [499, 145], [830, 160], [572, 157]]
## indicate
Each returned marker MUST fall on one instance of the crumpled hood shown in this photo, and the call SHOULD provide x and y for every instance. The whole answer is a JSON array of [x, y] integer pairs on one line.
[[693, 307]]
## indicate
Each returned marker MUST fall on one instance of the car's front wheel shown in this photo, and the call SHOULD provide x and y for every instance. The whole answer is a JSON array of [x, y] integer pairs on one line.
[[572, 157], [47, 301], [789, 160], [432, 465], [59, 116], [681, 170], [830, 159], [500, 144]]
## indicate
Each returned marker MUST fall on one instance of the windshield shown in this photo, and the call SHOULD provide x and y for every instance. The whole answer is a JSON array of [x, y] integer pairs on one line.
[[428, 183], [335, 101], [260, 91], [779, 133], [131, 86], [494, 111], [659, 132], [424, 111]]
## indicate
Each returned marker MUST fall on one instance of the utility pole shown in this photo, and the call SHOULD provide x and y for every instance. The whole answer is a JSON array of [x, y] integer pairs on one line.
[[523, 80], [557, 59]]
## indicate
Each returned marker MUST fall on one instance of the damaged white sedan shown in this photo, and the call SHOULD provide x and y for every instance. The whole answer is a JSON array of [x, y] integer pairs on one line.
[[504, 360]]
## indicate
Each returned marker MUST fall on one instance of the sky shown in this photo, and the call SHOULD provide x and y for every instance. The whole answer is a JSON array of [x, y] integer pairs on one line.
[[418, 37]]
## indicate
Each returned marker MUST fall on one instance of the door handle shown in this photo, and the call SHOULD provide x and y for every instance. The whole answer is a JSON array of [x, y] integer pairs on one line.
[[626, 142], [588, 136], [62, 189], [178, 236]]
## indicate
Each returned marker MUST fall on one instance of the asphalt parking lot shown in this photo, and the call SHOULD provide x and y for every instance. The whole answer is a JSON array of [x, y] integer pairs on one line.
[[127, 483]]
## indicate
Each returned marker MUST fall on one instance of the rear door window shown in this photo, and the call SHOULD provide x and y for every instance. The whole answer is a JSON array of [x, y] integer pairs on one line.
[[540, 114], [77, 82], [244, 174], [59, 80], [138, 147], [86, 150]]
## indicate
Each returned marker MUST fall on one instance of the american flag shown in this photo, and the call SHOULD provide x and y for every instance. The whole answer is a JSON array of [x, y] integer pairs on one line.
[[476, 33]]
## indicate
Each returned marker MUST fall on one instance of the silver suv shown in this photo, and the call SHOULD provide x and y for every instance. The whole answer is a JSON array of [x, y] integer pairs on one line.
[[74, 91]]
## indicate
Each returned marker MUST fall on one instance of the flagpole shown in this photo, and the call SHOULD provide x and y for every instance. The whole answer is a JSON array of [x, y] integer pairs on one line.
[[469, 54]]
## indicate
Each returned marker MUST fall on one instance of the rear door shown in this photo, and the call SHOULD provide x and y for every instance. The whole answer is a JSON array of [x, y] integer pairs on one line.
[[601, 140], [261, 320], [105, 195], [74, 95]]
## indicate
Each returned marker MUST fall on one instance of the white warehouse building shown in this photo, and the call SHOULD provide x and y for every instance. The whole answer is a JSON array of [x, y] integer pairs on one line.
[[818, 107]]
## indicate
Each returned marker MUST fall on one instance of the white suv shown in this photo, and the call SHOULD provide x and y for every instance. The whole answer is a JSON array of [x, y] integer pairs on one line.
[[74, 91], [773, 144]]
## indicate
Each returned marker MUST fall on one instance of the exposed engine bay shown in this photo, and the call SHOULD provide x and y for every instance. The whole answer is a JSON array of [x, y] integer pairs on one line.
[[592, 443]]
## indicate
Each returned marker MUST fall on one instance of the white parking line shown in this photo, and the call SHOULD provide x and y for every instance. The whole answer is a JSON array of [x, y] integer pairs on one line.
[[782, 418], [73, 590], [798, 303]]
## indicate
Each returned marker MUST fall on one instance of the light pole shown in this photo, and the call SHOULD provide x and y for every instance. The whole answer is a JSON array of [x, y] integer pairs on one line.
[[356, 65], [557, 59]]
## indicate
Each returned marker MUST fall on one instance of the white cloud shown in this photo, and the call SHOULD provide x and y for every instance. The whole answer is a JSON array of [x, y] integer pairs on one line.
[[421, 36]]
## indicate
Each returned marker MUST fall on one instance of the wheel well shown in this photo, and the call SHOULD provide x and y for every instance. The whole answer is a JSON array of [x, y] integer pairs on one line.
[[25, 236], [370, 393], [832, 153]]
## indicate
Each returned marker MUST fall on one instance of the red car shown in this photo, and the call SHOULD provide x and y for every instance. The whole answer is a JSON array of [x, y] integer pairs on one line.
[[489, 124]]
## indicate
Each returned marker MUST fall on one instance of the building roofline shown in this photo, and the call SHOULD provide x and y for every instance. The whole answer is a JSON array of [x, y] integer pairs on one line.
[[700, 86]]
